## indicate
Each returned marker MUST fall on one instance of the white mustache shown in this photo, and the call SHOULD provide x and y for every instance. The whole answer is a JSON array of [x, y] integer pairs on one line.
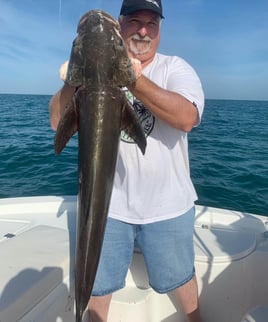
[[139, 38]]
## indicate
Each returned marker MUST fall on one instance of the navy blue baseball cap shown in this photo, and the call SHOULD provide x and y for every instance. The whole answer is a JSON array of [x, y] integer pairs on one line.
[[130, 6]]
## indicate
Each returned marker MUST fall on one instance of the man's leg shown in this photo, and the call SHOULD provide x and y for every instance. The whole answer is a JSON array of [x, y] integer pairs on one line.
[[169, 255], [99, 307], [187, 296]]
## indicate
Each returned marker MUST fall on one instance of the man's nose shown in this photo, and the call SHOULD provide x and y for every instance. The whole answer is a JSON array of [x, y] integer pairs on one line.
[[142, 31]]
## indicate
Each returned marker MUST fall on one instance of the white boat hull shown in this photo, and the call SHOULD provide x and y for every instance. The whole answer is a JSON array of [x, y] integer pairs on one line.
[[37, 238]]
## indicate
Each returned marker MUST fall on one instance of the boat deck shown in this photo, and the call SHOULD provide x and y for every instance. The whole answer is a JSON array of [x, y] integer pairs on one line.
[[37, 242]]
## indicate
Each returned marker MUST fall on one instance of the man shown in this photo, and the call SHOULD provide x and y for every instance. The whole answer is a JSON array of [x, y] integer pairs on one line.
[[153, 197]]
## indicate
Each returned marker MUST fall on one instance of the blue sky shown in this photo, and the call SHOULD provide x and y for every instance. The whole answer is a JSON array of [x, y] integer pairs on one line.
[[225, 41]]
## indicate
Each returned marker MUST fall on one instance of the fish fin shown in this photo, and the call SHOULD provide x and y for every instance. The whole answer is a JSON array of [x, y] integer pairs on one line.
[[66, 127], [132, 127]]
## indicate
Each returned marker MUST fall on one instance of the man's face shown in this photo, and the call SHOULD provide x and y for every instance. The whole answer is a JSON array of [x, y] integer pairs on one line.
[[141, 33]]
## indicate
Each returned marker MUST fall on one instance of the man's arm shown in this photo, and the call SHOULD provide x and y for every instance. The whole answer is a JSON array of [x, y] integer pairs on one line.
[[169, 106]]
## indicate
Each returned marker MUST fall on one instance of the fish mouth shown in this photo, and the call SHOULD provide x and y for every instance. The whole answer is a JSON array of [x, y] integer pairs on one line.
[[104, 18]]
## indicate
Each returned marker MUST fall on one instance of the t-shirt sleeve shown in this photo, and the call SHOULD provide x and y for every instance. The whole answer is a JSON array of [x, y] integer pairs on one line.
[[182, 79]]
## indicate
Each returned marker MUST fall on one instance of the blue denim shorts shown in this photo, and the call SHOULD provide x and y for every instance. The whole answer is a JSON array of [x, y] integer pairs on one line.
[[167, 247]]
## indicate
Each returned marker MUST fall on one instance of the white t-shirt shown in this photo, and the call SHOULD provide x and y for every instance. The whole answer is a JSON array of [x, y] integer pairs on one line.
[[157, 186]]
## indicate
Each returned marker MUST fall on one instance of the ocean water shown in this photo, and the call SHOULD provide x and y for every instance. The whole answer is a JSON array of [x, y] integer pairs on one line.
[[228, 153]]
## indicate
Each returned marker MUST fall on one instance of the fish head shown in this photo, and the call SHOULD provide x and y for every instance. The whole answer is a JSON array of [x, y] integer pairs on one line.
[[98, 55]]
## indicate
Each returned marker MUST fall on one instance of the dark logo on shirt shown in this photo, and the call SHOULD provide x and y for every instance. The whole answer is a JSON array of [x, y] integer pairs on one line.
[[144, 115]]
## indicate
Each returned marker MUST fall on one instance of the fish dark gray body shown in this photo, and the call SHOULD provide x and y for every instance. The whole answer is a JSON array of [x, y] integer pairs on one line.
[[100, 66]]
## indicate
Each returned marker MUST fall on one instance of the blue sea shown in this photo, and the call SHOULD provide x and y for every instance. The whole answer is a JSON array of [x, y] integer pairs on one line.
[[228, 153]]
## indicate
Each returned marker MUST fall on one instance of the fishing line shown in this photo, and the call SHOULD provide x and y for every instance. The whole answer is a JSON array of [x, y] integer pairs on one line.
[[60, 13]]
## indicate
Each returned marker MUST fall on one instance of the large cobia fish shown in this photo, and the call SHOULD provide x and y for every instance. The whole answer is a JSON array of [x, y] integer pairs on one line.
[[99, 66]]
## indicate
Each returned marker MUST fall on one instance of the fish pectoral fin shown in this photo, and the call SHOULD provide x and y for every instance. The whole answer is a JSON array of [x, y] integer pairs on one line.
[[66, 127], [132, 127]]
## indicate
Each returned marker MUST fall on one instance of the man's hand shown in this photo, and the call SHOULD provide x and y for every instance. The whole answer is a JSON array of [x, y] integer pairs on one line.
[[63, 70], [136, 65]]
